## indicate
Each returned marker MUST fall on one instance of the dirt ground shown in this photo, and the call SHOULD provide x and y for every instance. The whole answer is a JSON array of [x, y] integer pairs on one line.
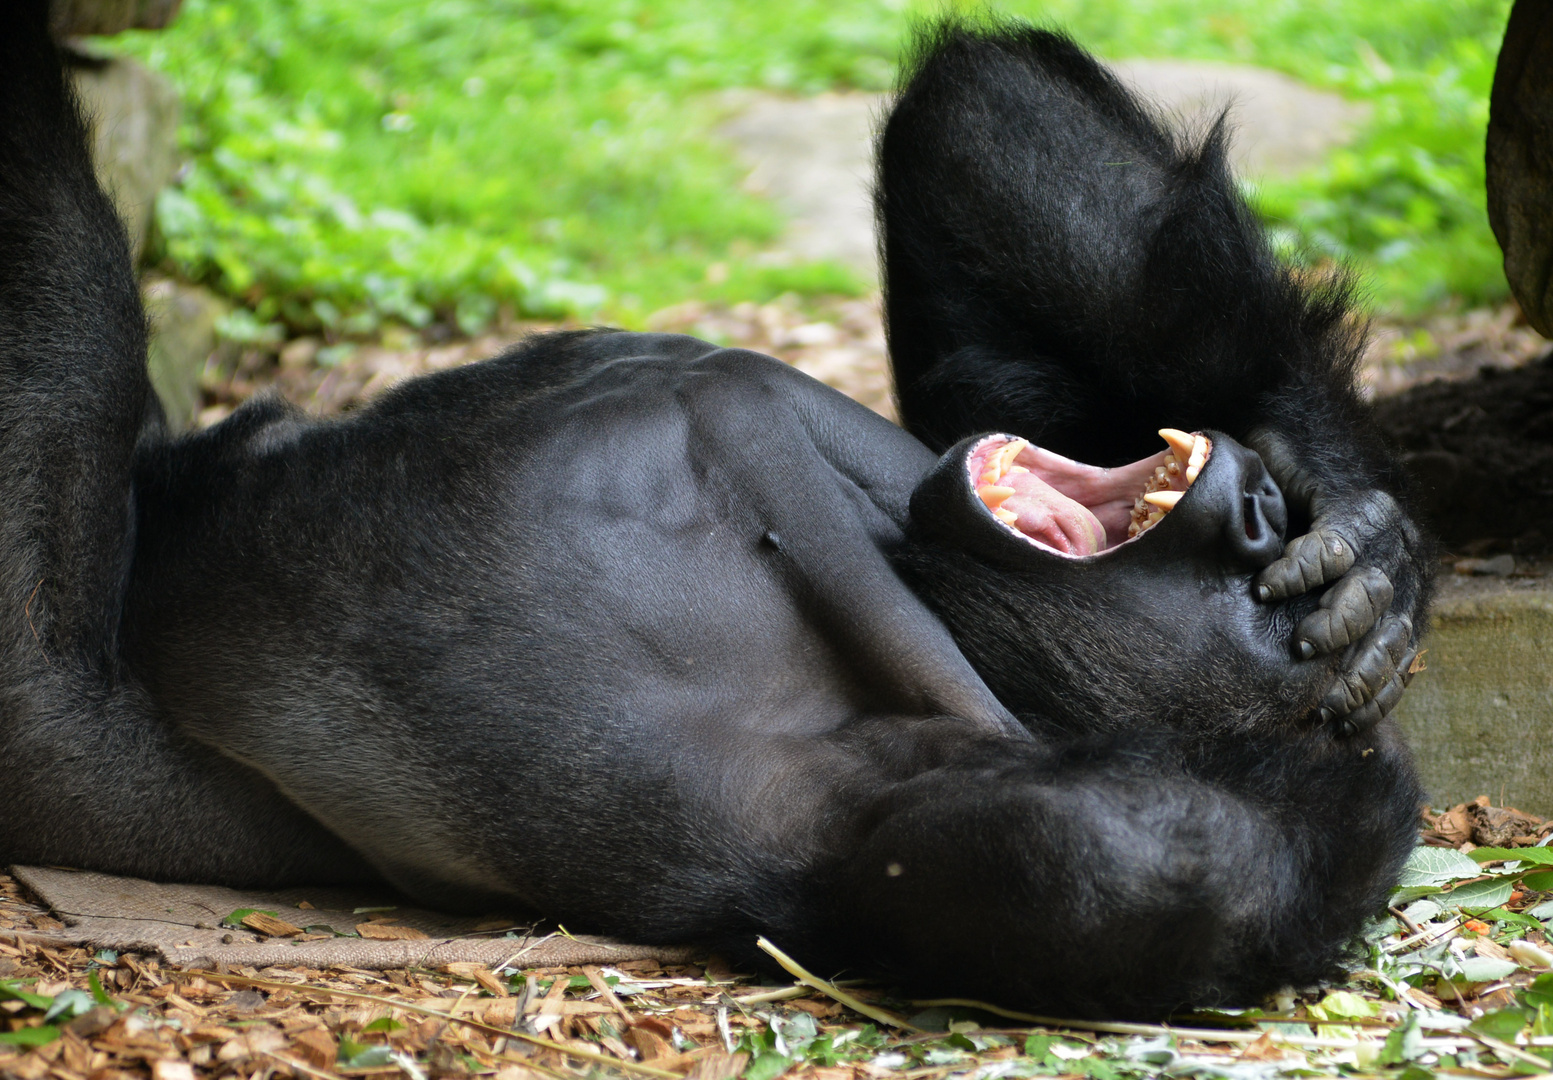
[[1468, 397]]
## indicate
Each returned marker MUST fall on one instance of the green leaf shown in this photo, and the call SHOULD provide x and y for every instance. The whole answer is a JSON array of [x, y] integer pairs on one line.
[[30, 1036], [384, 1023], [14, 992], [1037, 1045], [1346, 1005], [69, 1004], [1541, 881], [99, 995], [1404, 1043], [766, 1066], [1541, 855], [1501, 1024], [1501, 915], [355, 1055], [235, 920], [1484, 969], [1436, 866], [1540, 992], [1479, 894]]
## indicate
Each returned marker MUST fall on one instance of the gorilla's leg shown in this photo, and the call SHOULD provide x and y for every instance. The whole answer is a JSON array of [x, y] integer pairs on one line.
[[87, 774], [1060, 265]]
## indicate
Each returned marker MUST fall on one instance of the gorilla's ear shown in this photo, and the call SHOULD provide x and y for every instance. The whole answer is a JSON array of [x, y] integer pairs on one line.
[[1046, 233]]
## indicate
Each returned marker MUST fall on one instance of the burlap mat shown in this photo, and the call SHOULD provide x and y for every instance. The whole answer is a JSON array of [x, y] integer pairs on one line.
[[183, 924]]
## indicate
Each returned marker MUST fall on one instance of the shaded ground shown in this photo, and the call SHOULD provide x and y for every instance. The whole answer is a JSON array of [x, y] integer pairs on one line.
[[1479, 446]]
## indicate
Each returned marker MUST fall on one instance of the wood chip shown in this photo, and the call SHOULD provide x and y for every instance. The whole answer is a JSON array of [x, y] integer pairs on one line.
[[171, 1070], [380, 932], [268, 924], [316, 1047]]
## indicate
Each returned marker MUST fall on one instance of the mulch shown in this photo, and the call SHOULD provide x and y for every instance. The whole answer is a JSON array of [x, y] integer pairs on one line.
[[136, 1015]]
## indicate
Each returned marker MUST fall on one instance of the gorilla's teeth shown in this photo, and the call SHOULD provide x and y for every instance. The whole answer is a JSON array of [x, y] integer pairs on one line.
[[1198, 458], [1180, 442], [1001, 460], [1165, 500], [1007, 517], [993, 495]]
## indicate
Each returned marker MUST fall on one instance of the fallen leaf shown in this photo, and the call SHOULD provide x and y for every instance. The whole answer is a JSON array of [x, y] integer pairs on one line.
[[380, 932]]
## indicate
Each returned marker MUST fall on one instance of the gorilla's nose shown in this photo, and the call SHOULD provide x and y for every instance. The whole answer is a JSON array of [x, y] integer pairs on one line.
[[1254, 528]]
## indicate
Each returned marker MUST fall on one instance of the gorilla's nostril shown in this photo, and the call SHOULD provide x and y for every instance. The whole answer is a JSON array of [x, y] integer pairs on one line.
[[1252, 518]]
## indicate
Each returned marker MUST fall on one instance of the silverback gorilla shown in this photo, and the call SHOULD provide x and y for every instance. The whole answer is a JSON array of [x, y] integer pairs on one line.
[[672, 642]]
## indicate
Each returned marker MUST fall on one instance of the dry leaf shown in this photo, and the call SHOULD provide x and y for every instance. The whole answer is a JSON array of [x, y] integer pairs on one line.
[[1263, 1049], [379, 932], [648, 1043], [171, 1070]]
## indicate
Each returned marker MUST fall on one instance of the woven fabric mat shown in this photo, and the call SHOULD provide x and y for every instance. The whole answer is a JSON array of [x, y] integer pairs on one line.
[[182, 924]]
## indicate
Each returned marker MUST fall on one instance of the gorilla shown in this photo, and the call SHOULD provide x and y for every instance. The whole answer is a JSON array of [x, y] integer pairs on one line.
[[671, 642]]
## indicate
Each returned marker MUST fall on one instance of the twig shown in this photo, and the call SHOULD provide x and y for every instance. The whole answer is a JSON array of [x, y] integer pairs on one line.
[[596, 977], [301, 1066], [1122, 1028], [1431, 936], [831, 990], [478, 1025], [1502, 1048]]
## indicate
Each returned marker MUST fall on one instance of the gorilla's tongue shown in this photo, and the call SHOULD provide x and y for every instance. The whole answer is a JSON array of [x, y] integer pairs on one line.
[[1079, 509]]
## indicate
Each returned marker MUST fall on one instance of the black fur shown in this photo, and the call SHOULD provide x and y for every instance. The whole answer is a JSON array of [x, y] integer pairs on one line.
[[671, 642]]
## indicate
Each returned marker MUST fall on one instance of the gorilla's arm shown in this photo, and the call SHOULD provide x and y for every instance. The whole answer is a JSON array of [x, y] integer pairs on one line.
[[89, 774], [1127, 876], [1060, 265]]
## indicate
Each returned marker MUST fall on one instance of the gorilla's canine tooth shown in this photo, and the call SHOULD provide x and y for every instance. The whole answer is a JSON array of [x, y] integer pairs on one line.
[[1007, 517], [1182, 443], [1191, 473], [1199, 453], [1165, 500], [993, 495]]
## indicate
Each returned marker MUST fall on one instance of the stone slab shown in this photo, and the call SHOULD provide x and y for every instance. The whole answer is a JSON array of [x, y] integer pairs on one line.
[[1480, 718], [814, 156]]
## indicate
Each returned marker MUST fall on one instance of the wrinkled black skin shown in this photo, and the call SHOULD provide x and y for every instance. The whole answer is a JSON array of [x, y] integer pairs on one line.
[[1061, 265], [659, 639]]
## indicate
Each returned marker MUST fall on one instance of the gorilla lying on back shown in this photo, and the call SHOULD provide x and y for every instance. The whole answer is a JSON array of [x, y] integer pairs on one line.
[[672, 642]]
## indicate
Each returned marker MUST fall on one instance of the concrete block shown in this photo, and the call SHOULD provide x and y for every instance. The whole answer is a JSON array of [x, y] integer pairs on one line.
[[183, 333], [1480, 718], [134, 117]]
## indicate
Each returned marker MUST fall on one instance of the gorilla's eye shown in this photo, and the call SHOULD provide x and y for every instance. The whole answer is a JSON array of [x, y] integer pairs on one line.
[[1075, 509]]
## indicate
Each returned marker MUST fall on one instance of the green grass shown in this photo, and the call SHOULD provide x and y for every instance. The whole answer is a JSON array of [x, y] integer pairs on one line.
[[355, 161]]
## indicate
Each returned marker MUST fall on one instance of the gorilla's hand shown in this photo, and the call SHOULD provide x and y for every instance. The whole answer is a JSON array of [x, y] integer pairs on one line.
[[1361, 544]]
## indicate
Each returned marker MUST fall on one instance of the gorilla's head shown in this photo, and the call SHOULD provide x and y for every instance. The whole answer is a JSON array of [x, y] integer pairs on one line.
[[1097, 598]]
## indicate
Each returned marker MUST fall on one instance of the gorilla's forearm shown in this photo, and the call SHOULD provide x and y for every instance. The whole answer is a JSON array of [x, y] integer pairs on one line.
[[1128, 879]]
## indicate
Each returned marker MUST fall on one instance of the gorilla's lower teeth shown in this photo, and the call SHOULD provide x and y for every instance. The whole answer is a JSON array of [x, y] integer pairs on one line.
[[1183, 464]]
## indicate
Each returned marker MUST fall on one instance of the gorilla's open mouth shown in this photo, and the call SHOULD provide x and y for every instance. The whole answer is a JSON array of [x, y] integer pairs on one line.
[[1075, 509]]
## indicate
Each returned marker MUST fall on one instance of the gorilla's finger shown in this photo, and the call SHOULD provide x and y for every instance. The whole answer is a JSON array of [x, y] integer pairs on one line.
[[1348, 611], [1376, 662], [1377, 708], [1308, 562]]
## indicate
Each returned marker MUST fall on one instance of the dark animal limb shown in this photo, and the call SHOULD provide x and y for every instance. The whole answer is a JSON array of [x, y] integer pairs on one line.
[[1062, 266], [91, 776]]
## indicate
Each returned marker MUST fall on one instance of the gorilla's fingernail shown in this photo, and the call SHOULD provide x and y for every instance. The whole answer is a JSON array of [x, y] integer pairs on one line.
[[1326, 714], [1307, 650], [1264, 593]]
